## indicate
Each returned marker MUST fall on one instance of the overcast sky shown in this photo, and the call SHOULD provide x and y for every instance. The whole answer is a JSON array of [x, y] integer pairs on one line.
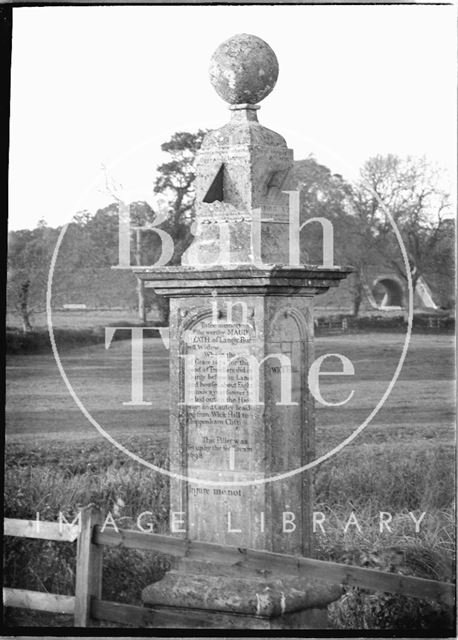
[[95, 86]]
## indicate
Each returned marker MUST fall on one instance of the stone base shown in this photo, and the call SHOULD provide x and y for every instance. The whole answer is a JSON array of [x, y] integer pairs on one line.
[[286, 603]]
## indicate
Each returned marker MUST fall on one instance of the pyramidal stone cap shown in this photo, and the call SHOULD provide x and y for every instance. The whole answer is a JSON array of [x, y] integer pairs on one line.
[[243, 69]]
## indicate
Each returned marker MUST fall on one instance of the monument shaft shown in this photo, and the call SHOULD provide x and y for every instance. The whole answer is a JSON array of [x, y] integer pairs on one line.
[[253, 435], [241, 345]]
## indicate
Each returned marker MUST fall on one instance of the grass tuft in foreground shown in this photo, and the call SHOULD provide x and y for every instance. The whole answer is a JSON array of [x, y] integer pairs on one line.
[[363, 480]]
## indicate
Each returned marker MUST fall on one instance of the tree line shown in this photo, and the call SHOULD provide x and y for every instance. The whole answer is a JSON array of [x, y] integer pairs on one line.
[[409, 188]]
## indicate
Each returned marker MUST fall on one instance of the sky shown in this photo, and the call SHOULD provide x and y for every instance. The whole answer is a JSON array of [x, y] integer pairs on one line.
[[96, 87]]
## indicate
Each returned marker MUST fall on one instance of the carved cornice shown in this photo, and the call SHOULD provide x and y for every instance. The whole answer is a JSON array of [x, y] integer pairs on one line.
[[305, 280]]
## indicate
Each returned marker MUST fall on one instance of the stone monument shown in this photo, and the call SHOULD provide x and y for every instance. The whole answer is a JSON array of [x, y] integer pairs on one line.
[[241, 344]]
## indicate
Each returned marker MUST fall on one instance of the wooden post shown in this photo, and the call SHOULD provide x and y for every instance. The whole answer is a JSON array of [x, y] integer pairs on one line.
[[88, 567]]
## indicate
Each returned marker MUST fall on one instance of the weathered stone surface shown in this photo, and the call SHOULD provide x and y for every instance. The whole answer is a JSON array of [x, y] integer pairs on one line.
[[241, 344], [236, 304], [243, 69], [236, 441], [254, 597], [305, 280], [253, 166]]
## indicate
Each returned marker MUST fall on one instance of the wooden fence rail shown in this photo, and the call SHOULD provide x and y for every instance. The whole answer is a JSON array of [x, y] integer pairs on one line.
[[40, 530], [38, 600], [87, 604], [249, 560]]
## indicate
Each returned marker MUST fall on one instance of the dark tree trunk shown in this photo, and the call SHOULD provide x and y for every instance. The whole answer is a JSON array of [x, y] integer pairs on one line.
[[24, 306], [357, 294], [356, 304]]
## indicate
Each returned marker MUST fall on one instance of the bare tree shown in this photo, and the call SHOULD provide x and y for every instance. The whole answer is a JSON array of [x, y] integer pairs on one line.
[[411, 190], [29, 257]]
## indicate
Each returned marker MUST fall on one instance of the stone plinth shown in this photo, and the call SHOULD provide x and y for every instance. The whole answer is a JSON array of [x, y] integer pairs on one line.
[[248, 603]]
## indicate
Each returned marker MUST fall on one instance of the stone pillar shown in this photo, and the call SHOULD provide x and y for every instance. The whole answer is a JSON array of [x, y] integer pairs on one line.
[[241, 344]]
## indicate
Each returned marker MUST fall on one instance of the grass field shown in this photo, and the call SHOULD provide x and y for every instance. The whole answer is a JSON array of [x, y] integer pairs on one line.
[[81, 319], [421, 404], [76, 319], [403, 461]]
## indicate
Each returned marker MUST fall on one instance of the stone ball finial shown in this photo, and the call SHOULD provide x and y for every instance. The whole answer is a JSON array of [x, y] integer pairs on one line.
[[243, 69]]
